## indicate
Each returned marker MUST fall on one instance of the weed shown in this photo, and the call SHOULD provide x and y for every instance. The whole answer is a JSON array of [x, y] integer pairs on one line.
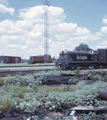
[[20, 91], [90, 116], [74, 79], [49, 89], [91, 72], [104, 78], [106, 72], [2, 81], [5, 104], [97, 77], [76, 72]]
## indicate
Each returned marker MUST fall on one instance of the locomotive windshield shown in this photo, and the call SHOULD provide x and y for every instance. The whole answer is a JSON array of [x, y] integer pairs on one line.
[[95, 52]]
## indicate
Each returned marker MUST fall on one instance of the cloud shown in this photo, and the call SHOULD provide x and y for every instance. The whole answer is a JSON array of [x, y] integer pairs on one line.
[[31, 13], [105, 21], [69, 31], [56, 15], [103, 43], [24, 24], [26, 36], [36, 14], [101, 47], [99, 34], [82, 31], [9, 27], [32, 35], [13, 46], [63, 28], [80, 34], [4, 9], [104, 30], [4, 2]]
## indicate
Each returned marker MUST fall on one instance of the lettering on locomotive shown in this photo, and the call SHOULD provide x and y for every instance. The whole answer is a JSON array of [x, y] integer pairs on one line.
[[81, 57]]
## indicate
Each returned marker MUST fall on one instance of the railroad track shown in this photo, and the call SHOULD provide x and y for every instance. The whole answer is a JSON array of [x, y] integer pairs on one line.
[[26, 66], [22, 72], [18, 72], [12, 71]]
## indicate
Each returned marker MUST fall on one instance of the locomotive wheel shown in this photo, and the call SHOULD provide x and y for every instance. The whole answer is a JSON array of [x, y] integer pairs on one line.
[[105, 66]]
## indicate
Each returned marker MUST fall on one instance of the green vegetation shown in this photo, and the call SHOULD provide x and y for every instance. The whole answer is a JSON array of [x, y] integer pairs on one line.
[[97, 77], [82, 47], [2, 81], [61, 88], [90, 116], [28, 93]]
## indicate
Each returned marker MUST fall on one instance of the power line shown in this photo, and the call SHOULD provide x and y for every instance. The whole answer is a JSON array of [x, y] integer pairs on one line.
[[81, 14], [21, 3], [26, 5], [86, 19], [82, 17], [83, 22], [72, 4]]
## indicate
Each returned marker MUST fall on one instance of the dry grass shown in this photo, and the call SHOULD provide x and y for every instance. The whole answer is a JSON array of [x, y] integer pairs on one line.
[[19, 92], [59, 88]]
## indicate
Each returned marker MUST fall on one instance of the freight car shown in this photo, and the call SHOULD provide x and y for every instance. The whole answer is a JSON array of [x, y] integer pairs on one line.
[[40, 59], [74, 59], [10, 59]]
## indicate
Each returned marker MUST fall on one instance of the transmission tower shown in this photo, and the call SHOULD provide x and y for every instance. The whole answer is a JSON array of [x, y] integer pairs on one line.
[[46, 30]]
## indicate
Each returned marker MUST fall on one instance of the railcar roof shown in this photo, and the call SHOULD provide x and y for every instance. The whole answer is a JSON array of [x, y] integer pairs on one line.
[[41, 56], [9, 56], [78, 52]]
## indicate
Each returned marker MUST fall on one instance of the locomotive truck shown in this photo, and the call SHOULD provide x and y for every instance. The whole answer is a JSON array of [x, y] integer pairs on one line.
[[74, 59]]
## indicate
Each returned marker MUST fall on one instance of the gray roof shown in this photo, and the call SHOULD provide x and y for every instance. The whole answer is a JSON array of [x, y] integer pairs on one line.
[[78, 52], [41, 56]]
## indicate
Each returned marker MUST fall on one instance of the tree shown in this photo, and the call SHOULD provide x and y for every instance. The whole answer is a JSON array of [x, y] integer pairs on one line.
[[82, 47]]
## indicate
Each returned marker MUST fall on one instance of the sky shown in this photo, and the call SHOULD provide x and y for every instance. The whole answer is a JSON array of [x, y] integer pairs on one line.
[[71, 22]]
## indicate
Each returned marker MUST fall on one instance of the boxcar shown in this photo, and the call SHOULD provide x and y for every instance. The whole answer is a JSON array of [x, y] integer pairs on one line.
[[102, 55], [10, 59]]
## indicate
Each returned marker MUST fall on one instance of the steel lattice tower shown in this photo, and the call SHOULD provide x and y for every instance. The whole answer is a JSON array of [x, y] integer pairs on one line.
[[46, 30]]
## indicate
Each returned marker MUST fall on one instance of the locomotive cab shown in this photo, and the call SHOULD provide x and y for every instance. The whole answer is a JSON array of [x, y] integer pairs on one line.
[[94, 56], [62, 59]]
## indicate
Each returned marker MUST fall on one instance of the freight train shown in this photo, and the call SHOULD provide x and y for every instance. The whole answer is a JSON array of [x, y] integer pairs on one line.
[[40, 59], [74, 59], [10, 59]]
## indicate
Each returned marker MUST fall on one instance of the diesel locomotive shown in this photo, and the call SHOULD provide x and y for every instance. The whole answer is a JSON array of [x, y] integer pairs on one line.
[[40, 59], [74, 59]]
